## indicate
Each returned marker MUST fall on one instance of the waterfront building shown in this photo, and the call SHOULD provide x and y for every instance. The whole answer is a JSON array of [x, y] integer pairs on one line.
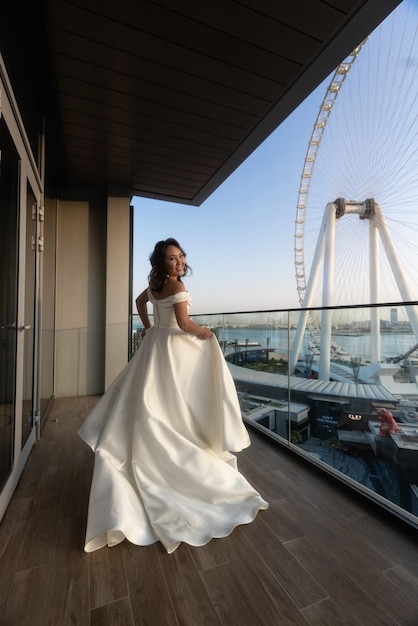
[[394, 316]]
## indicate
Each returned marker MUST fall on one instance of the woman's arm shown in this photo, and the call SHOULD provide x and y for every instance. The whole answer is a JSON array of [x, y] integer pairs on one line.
[[187, 325], [141, 305]]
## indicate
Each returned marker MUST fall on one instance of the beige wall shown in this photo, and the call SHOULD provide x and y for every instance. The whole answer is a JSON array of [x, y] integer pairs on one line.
[[80, 296], [92, 292], [117, 286]]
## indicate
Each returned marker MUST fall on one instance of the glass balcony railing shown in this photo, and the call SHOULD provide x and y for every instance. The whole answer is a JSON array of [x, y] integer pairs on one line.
[[313, 380]]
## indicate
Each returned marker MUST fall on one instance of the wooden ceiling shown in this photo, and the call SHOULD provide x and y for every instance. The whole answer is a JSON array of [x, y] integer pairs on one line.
[[165, 98]]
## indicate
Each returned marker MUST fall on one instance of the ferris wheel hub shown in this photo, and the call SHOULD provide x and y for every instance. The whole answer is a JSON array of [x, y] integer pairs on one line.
[[364, 210]]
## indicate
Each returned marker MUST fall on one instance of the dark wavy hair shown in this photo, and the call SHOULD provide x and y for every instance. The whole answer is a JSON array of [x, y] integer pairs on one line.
[[158, 274]]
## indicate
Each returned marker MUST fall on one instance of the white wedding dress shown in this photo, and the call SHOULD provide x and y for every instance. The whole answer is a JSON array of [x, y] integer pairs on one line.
[[162, 436]]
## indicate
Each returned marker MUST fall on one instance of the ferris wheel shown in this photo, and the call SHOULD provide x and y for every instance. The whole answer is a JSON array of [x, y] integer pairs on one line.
[[364, 147], [325, 109]]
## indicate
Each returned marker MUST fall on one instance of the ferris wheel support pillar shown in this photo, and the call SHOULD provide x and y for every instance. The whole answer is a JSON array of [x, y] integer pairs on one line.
[[297, 342], [327, 297], [397, 270], [374, 291], [307, 300]]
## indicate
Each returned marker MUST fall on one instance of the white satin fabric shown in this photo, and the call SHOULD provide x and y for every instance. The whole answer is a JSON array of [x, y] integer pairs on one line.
[[162, 436]]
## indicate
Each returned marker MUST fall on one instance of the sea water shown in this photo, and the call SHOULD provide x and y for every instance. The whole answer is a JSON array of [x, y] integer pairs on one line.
[[278, 339], [391, 345]]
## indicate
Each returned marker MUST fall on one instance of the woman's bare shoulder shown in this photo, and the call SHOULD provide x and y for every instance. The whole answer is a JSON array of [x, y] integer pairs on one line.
[[171, 288], [177, 287]]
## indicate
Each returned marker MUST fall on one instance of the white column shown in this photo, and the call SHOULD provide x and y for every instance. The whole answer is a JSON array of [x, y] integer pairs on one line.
[[117, 286]]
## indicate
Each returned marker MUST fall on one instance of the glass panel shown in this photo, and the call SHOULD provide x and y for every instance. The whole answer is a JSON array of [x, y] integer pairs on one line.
[[27, 403], [257, 349], [368, 367], [324, 402], [8, 296], [314, 381]]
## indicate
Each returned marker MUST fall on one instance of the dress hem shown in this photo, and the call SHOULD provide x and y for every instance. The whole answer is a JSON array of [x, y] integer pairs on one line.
[[170, 549]]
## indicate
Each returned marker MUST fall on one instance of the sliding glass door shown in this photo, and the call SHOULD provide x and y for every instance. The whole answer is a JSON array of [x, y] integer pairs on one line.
[[9, 248], [20, 247]]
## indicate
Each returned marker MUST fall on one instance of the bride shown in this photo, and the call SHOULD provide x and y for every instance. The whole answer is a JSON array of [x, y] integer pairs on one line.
[[164, 431]]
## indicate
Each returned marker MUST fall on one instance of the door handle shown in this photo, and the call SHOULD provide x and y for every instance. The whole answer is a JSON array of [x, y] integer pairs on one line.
[[14, 327]]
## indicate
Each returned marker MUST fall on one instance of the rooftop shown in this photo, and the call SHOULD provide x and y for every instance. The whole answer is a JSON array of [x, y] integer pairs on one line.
[[310, 387]]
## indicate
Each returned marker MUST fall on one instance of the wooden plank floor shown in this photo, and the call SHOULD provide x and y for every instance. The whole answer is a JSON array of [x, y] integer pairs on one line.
[[320, 555]]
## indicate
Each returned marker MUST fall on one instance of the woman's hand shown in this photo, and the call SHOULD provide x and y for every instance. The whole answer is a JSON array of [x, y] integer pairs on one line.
[[205, 333]]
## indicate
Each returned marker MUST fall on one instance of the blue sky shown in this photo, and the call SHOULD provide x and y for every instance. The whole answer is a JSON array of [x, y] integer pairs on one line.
[[240, 242]]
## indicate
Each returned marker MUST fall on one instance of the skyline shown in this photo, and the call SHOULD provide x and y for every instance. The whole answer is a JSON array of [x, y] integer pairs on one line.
[[240, 241]]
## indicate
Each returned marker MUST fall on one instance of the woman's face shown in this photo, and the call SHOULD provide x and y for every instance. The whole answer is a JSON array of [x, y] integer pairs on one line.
[[175, 261]]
